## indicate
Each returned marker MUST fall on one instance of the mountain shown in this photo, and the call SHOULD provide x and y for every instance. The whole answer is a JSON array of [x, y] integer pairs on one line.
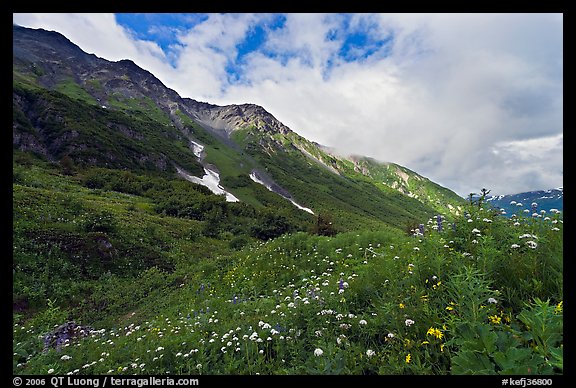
[[544, 199], [159, 235], [67, 103]]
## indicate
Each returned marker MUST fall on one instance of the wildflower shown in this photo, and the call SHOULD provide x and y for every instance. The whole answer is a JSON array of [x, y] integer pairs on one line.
[[50, 371], [532, 244], [492, 300], [559, 308], [390, 335], [402, 305], [514, 246], [370, 352], [65, 357], [363, 322], [318, 352], [408, 358], [435, 332], [494, 319], [409, 322]]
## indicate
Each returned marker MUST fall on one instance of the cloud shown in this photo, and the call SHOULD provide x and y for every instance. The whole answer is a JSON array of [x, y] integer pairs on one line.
[[450, 88], [450, 96]]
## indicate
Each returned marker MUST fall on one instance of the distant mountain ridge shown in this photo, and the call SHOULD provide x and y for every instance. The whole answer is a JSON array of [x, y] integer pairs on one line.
[[117, 115], [544, 200]]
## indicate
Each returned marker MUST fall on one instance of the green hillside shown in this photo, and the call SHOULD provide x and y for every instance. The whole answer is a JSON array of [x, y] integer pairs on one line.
[[158, 292]]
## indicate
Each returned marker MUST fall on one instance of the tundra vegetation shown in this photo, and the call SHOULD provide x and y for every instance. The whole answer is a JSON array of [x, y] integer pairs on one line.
[[161, 276]]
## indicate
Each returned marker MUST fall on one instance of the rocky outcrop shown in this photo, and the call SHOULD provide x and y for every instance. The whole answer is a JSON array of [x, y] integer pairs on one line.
[[65, 333]]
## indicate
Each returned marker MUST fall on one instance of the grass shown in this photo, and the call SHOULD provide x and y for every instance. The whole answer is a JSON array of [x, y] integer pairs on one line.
[[477, 298]]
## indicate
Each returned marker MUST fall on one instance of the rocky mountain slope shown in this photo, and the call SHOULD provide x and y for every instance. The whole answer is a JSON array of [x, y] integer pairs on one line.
[[117, 115]]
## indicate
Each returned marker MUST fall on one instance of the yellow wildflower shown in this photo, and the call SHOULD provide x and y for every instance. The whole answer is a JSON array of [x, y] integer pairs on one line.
[[559, 307], [408, 358], [402, 305], [435, 332], [494, 319]]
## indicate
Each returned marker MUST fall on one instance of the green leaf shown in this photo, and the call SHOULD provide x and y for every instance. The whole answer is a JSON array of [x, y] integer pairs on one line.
[[512, 359], [557, 359], [487, 338], [471, 363]]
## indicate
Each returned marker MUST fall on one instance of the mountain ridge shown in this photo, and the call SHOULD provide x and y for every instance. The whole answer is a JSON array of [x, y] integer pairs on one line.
[[544, 200], [235, 140]]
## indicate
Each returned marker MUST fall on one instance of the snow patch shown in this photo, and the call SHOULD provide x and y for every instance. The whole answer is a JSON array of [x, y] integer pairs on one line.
[[196, 148], [211, 179], [255, 178]]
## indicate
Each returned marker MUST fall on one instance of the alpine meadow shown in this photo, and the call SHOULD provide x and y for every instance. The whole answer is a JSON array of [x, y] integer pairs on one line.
[[159, 235]]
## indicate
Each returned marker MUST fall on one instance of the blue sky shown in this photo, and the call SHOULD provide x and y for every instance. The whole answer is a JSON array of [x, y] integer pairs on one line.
[[467, 100]]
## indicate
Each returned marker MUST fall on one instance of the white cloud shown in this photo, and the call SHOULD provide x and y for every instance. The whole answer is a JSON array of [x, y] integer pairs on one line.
[[452, 89]]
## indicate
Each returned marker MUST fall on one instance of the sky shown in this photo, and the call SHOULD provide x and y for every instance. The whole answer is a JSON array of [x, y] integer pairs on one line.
[[469, 101]]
